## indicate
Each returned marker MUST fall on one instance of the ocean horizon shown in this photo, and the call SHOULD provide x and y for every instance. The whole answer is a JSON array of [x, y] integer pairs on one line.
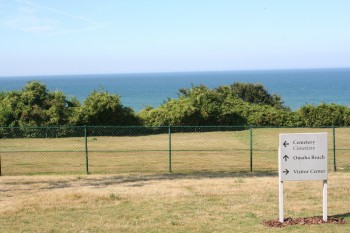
[[296, 87]]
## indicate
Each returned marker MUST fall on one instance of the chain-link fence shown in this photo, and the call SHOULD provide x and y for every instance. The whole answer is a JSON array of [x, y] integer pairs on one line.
[[178, 149]]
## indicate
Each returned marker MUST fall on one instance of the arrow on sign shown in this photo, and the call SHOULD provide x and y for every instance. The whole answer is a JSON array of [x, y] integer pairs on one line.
[[285, 144], [286, 171], [285, 157]]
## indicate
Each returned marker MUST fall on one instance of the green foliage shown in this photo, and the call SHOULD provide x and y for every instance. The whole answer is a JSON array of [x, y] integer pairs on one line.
[[269, 116], [200, 105], [325, 115], [196, 106], [34, 105], [256, 94], [102, 108]]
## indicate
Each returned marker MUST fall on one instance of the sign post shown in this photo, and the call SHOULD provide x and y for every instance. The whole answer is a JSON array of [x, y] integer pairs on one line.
[[301, 157]]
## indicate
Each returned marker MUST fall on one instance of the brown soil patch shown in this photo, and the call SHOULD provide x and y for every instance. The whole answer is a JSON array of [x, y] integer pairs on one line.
[[303, 221]]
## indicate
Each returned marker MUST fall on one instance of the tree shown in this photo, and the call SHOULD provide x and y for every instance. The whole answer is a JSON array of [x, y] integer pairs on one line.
[[10, 110], [324, 115], [102, 108], [256, 94], [34, 105], [198, 105]]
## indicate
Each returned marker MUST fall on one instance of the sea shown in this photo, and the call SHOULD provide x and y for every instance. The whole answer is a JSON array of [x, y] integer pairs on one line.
[[138, 90]]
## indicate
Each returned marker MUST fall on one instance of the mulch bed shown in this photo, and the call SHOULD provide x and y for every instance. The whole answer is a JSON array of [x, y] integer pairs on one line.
[[303, 221]]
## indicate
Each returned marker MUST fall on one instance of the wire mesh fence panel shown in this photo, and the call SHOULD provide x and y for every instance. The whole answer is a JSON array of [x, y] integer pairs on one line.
[[127, 149], [41, 151], [343, 160], [210, 161], [128, 162], [264, 161], [201, 149], [342, 145], [77, 150], [35, 163]]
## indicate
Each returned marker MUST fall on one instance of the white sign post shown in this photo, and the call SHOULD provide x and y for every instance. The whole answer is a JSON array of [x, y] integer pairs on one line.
[[303, 156]]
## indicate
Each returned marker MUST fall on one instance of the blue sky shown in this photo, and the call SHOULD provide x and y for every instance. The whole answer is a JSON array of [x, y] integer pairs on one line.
[[40, 37]]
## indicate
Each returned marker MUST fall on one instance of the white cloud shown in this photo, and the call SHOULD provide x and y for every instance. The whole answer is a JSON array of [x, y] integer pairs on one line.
[[32, 17], [63, 13], [25, 22]]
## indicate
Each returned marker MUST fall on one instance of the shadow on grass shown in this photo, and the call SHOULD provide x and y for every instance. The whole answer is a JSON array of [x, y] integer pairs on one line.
[[134, 180], [345, 215], [137, 178]]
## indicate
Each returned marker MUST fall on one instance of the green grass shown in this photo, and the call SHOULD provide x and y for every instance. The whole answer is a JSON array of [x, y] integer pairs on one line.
[[191, 152], [165, 203]]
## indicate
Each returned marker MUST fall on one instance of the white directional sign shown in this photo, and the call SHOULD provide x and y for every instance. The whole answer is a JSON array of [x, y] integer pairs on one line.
[[303, 156]]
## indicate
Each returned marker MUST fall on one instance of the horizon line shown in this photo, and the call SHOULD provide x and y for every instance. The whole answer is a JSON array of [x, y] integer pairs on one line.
[[169, 72]]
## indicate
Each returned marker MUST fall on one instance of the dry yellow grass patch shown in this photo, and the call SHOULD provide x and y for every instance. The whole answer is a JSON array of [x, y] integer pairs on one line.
[[163, 203]]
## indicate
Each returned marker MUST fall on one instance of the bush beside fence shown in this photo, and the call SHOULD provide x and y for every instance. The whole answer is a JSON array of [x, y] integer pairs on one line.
[[174, 149]]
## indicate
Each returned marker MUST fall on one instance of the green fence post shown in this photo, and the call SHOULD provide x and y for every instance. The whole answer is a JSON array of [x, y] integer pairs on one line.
[[251, 149], [169, 133], [86, 151], [334, 156]]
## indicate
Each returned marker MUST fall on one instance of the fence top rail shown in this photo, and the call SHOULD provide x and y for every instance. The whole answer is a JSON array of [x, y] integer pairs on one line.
[[299, 127], [162, 126], [122, 127]]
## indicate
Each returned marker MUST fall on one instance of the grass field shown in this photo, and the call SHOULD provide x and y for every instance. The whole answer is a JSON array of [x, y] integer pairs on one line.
[[165, 203], [227, 151]]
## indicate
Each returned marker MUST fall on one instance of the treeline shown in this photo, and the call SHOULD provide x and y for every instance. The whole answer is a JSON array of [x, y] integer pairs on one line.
[[236, 104]]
